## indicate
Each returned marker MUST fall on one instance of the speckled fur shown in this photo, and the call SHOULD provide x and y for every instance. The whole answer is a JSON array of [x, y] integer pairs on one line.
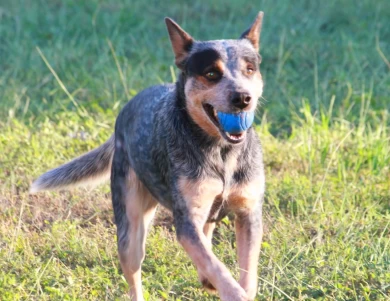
[[170, 158]]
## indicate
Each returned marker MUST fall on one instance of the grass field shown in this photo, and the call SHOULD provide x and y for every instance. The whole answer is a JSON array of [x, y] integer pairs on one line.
[[68, 67]]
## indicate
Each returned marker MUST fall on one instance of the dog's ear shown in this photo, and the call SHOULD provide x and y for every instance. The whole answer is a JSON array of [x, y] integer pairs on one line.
[[180, 40], [253, 33]]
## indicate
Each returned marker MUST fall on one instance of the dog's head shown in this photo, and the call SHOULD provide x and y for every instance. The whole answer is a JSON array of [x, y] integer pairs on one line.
[[220, 76]]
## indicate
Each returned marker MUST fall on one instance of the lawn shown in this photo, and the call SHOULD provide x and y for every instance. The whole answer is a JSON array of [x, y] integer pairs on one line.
[[68, 67]]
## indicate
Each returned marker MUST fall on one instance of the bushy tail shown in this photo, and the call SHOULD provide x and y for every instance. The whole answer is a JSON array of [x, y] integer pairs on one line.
[[91, 167]]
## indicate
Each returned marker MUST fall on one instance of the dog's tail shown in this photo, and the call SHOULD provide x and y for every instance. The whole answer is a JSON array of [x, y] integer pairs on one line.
[[94, 166]]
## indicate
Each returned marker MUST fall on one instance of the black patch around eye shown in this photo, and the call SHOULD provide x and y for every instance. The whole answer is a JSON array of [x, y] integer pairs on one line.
[[201, 61]]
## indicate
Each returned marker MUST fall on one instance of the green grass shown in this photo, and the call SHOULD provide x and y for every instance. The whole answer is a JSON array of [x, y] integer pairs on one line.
[[324, 125]]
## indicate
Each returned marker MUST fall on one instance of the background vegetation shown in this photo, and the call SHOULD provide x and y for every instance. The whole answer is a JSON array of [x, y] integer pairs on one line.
[[66, 69]]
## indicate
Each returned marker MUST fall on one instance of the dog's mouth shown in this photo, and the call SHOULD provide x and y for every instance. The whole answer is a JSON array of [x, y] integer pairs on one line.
[[213, 116]]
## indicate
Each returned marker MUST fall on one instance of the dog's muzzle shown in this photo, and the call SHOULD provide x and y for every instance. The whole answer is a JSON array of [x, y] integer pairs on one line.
[[232, 126], [235, 123]]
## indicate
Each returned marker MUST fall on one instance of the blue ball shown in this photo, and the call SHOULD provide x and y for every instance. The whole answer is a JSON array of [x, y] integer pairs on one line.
[[236, 123]]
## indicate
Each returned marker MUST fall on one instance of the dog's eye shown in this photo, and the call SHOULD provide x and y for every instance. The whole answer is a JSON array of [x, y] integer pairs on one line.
[[212, 75], [249, 71]]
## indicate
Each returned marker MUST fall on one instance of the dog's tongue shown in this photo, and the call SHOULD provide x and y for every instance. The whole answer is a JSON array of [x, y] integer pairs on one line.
[[236, 123]]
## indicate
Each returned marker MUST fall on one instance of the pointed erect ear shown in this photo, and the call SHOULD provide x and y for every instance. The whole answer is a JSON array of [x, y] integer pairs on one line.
[[180, 40], [253, 33]]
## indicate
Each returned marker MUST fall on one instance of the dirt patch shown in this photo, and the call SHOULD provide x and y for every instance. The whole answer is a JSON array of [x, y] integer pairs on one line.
[[38, 212], [41, 210]]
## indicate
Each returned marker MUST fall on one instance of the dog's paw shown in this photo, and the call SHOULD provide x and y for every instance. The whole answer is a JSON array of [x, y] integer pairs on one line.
[[250, 289], [234, 294]]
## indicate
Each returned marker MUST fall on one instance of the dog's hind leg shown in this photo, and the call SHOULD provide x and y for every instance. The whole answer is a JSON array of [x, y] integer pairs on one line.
[[134, 209]]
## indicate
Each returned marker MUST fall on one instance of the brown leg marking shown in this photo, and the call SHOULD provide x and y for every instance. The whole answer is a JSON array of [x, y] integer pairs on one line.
[[140, 209], [246, 201], [191, 212]]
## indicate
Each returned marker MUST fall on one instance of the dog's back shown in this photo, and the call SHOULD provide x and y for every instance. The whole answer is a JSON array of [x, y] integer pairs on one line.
[[141, 130]]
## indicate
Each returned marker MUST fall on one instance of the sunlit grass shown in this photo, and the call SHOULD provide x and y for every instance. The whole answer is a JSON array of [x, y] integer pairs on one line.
[[324, 126], [326, 212]]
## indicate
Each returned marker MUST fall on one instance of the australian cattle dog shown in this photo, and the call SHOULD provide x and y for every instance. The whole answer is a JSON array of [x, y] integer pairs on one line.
[[190, 147]]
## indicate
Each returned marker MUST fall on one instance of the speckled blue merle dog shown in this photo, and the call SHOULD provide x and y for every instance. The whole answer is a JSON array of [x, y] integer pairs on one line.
[[171, 148]]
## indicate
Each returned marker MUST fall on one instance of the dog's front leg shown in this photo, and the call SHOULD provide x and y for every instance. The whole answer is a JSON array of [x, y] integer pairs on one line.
[[192, 206], [194, 242], [246, 201], [249, 232]]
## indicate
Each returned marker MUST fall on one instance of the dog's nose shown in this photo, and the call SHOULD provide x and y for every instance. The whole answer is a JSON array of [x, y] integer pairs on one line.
[[241, 100]]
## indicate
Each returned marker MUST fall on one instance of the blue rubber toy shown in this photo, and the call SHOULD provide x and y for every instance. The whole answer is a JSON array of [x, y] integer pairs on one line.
[[236, 123]]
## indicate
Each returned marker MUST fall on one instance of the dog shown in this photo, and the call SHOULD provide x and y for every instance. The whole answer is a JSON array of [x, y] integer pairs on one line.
[[170, 147]]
